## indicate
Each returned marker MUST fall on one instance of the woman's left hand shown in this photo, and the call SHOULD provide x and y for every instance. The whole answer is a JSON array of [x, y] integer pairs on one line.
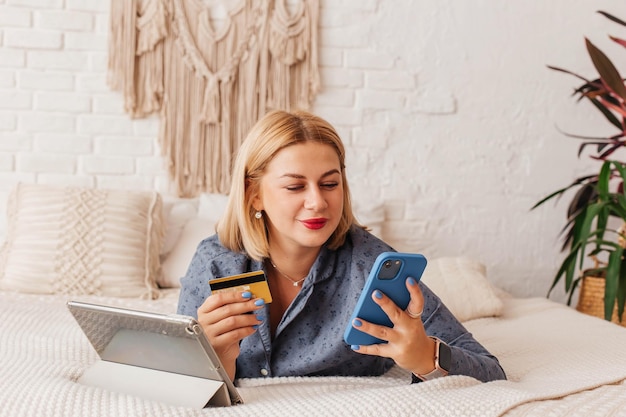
[[407, 342]]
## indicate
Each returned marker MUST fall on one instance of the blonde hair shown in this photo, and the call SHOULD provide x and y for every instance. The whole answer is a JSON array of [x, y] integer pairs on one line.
[[238, 229]]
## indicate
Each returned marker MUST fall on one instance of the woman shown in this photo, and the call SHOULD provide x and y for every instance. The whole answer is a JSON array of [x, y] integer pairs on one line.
[[289, 214]]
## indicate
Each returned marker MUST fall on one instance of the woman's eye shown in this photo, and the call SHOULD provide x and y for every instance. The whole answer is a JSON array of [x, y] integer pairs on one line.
[[294, 187], [325, 185]]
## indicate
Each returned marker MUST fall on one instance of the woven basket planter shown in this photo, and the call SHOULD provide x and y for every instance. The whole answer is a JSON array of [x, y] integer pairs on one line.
[[591, 299]]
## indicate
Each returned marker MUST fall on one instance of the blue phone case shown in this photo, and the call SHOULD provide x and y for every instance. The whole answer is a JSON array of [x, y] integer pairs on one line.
[[394, 287]]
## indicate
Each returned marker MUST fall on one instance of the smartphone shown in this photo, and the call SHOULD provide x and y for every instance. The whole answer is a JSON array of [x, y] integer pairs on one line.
[[388, 274]]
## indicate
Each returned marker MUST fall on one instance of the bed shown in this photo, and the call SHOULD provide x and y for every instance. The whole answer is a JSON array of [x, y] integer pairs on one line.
[[559, 362]]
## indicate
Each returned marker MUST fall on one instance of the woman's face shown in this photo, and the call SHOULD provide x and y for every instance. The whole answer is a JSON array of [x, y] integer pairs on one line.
[[301, 193]]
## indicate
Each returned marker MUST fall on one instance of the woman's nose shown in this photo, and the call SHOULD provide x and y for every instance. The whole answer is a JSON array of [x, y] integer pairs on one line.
[[315, 200]]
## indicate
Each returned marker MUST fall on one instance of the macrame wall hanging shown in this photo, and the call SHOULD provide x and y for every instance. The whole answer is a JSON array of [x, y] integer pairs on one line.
[[210, 85]]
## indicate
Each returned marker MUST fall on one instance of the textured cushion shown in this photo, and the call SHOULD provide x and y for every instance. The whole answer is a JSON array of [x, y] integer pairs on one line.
[[462, 285], [65, 240]]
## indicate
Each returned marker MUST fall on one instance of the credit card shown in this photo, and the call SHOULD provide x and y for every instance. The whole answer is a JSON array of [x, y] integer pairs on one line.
[[254, 281]]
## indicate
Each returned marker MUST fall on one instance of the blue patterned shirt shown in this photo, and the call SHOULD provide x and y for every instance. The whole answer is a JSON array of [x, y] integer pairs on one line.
[[309, 338]]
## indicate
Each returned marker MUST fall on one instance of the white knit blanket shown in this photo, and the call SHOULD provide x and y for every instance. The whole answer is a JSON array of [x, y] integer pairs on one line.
[[559, 363]]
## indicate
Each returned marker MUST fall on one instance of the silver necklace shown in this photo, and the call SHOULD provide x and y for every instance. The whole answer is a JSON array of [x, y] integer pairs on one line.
[[293, 281]]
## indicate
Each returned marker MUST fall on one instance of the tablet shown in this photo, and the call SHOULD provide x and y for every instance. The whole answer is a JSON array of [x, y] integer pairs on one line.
[[165, 356]]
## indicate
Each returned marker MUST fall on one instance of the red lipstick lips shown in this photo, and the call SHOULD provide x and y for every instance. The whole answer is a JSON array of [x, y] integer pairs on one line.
[[314, 224]]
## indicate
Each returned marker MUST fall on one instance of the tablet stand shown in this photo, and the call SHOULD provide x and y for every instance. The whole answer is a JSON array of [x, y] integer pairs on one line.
[[161, 386]]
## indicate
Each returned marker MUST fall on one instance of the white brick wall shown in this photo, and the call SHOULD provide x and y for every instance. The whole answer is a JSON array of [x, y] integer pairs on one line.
[[447, 110]]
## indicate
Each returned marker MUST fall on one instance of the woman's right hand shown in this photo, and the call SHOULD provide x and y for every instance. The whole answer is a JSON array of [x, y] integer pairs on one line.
[[225, 321]]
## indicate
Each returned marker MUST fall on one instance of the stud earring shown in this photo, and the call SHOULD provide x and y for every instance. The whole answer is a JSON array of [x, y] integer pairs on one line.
[[258, 215]]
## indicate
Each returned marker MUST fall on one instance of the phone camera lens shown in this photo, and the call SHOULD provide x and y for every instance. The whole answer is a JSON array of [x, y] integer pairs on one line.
[[387, 264]]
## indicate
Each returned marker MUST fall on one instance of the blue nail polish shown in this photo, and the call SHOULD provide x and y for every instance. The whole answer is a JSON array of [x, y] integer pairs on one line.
[[259, 302], [378, 294], [260, 317], [355, 347], [357, 323], [411, 281], [255, 326], [246, 294]]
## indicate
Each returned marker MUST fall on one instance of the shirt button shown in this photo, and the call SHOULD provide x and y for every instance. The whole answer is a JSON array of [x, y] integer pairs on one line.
[[264, 372]]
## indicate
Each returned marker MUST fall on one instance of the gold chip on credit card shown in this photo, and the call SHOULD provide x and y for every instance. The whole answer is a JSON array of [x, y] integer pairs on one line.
[[255, 282]]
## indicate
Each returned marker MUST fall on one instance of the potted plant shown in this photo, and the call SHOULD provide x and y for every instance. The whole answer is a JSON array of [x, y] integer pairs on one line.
[[596, 214]]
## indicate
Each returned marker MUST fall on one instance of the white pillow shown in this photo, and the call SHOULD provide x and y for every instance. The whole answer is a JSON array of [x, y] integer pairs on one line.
[[370, 215], [212, 205], [66, 240], [462, 285], [176, 213], [4, 196], [177, 261]]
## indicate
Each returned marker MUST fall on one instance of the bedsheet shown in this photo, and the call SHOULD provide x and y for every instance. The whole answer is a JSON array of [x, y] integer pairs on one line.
[[559, 363]]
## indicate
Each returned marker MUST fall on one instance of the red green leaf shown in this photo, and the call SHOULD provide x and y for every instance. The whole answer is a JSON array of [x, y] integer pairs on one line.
[[611, 17], [608, 73], [618, 40]]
